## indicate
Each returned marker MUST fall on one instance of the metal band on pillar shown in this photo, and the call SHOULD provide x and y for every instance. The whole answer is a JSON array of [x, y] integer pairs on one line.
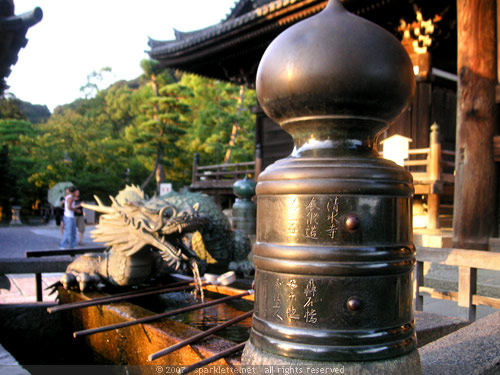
[[334, 253]]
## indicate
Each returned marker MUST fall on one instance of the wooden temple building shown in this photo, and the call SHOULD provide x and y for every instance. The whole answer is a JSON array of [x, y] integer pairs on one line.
[[13, 36], [453, 47]]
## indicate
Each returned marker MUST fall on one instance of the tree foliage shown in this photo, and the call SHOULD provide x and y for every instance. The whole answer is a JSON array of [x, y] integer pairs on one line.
[[10, 108], [133, 129]]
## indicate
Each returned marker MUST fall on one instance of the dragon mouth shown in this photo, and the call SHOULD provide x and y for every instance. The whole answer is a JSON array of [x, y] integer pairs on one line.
[[129, 227]]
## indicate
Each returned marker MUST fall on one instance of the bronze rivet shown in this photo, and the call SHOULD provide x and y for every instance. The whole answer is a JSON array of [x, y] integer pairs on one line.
[[352, 222], [353, 304]]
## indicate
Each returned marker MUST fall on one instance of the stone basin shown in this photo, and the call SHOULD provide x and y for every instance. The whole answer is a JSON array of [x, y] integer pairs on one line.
[[35, 337], [132, 345]]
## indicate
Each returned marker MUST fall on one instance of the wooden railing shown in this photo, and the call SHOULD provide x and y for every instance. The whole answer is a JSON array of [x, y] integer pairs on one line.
[[468, 262], [432, 169], [219, 176]]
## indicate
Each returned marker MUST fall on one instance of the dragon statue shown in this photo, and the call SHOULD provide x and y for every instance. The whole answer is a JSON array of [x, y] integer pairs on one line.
[[147, 239]]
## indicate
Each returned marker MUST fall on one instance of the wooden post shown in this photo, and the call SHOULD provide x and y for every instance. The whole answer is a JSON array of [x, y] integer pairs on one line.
[[498, 42], [196, 163], [435, 177], [38, 287], [474, 218], [419, 281], [467, 281]]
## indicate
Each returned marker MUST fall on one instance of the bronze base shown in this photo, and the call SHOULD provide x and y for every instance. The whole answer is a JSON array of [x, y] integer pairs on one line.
[[266, 363]]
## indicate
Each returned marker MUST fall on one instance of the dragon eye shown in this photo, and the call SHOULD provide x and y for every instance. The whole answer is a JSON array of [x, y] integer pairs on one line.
[[168, 212]]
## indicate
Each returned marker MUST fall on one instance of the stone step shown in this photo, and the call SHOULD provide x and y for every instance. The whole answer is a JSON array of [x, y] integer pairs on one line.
[[473, 349]]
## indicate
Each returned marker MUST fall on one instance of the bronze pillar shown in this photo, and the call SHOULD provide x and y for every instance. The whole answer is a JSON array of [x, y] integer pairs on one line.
[[334, 254]]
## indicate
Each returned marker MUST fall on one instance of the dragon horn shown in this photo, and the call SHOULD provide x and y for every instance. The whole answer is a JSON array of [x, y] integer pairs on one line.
[[100, 208], [115, 202]]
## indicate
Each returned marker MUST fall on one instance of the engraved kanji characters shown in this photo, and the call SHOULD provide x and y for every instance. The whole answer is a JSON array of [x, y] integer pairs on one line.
[[277, 300], [310, 314], [291, 311], [312, 219], [332, 208], [293, 219]]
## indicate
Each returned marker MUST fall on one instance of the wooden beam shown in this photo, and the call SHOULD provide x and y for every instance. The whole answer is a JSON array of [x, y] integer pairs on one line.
[[453, 296], [476, 182], [460, 257]]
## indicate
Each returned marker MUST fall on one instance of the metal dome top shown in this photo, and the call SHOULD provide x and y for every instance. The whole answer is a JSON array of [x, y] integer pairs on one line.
[[336, 73]]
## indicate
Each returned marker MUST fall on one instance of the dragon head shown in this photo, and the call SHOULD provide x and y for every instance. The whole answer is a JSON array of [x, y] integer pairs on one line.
[[128, 226]]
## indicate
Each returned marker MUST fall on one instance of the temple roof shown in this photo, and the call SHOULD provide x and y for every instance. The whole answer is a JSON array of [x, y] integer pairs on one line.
[[231, 49], [13, 36]]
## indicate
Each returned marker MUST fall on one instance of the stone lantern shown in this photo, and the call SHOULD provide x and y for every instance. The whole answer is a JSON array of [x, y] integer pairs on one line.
[[334, 255]]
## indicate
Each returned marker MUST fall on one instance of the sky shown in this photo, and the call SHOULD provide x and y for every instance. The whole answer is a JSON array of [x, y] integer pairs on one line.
[[77, 37]]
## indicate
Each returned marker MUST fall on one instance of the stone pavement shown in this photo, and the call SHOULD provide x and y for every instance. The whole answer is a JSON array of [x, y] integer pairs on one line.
[[9, 365], [14, 242]]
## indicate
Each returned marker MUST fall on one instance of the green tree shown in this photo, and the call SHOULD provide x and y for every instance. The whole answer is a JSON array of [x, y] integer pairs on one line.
[[17, 161], [215, 110], [6, 183], [131, 132], [73, 147], [10, 108], [160, 126], [91, 88]]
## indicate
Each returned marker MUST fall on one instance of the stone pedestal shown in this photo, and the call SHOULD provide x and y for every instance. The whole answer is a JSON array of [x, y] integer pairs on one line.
[[266, 363]]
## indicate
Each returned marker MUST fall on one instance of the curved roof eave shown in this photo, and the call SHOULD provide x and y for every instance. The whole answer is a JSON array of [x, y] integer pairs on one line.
[[201, 38]]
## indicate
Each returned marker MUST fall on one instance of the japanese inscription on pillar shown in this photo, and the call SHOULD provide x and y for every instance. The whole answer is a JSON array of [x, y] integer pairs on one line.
[[310, 294], [293, 218], [332, 208], [321, 219], [312, 219], [291, 311], [277, 300]]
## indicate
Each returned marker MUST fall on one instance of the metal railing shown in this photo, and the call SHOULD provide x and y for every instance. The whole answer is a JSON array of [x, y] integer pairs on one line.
[[43, 261]]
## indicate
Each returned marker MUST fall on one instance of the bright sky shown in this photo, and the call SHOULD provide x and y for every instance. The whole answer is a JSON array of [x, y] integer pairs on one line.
[[77, 37]]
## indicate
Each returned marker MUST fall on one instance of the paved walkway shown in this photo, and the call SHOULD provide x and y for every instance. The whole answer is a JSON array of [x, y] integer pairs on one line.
[[14, 242]]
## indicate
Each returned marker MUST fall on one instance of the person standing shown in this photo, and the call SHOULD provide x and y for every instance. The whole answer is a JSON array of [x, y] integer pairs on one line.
[[79, 218], [59, 212], [69, 235]]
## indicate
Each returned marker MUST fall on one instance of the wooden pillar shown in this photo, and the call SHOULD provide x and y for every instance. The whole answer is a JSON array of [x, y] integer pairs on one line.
[[196, 164], [498, 42], [435, 177], [475, 183]]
